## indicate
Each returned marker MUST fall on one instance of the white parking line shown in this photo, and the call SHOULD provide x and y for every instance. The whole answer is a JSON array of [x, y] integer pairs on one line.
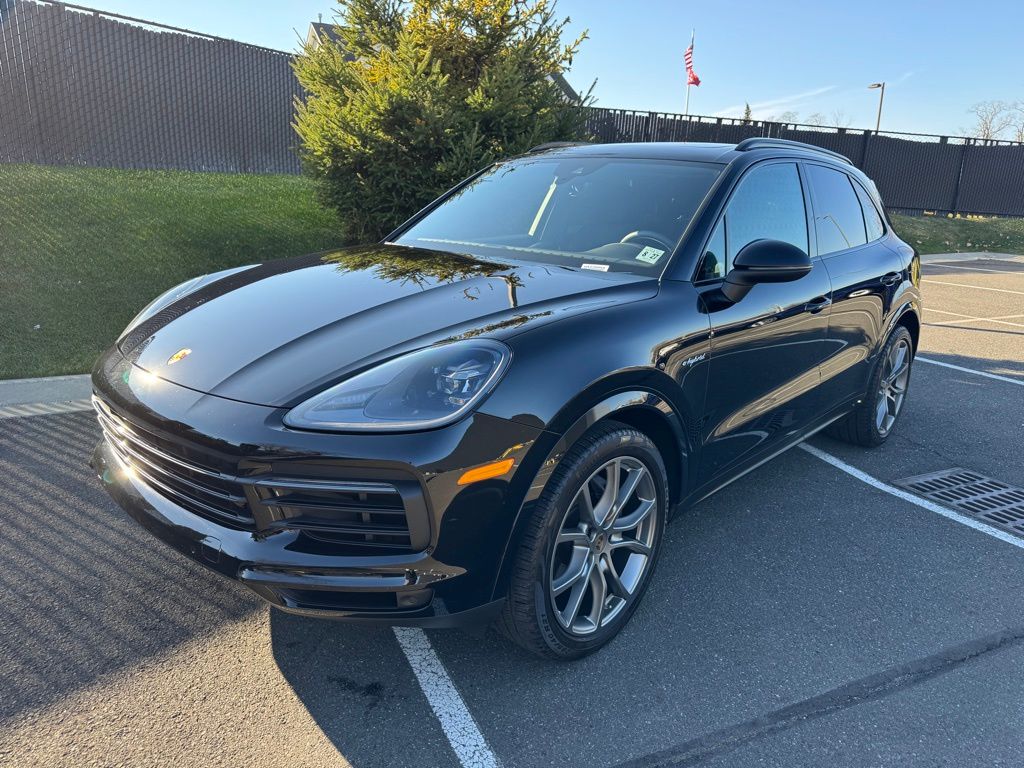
[[987, 375], [976, 287], [938, 509], [959, 317], [974, 269], [456, 720]]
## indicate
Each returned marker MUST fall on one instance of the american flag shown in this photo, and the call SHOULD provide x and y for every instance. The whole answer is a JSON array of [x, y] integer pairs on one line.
[[691, 76]]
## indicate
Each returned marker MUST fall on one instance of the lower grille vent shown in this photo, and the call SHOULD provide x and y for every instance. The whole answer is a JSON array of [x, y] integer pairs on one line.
[[370, 514]]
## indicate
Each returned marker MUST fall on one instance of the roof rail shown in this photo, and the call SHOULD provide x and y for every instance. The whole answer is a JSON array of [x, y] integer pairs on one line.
[[759, 142], [556, 145]]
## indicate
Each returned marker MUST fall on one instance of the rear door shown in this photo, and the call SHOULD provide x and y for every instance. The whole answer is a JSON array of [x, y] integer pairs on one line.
[[766, 348], [851, 243]]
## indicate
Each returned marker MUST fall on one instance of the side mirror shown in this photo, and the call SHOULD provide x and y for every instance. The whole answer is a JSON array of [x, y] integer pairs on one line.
[[764, 261]]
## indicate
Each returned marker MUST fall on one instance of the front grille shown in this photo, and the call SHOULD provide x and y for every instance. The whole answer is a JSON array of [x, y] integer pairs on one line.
[[358, 515], [174, 474], [366, 513]]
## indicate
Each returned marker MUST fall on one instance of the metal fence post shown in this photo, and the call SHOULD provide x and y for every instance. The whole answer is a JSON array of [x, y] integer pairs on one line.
[[955, 207]]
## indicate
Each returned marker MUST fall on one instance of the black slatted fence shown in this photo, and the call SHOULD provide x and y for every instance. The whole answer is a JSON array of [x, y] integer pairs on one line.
[[914, 172], [79, 88]]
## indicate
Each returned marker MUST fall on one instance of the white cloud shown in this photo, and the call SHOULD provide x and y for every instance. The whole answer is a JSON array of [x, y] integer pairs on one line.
[[780, 104]]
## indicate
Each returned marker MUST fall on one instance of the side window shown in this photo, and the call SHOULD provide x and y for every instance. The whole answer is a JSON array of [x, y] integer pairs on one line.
[[838, 218], [768, 204], [872, 219]]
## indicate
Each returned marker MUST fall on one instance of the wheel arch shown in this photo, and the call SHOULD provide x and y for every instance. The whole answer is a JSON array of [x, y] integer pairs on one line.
[[909, 320], [644, 409]]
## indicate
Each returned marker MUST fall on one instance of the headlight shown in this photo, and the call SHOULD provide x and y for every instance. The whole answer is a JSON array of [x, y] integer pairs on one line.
[[170, 296], [423, 389]]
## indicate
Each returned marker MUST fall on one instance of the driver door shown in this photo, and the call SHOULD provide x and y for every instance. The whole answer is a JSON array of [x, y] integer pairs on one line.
[[763, 387]]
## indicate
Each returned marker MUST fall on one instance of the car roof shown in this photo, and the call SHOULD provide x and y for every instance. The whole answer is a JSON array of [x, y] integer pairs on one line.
[[646, 150], [694, 151]]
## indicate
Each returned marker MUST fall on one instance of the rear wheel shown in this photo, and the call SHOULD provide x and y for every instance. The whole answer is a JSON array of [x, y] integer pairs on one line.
[[592, 543], [871, 422]]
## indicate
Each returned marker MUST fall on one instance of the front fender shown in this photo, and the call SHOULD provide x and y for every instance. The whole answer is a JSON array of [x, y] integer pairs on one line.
[[639, 407]]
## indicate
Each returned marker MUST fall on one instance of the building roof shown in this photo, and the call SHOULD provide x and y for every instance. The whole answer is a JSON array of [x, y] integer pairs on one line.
[[570, 93], [320, 31]]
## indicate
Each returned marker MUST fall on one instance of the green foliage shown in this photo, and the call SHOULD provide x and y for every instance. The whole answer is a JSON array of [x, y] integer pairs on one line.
[[418, 94], [83, 249], [955, 234]]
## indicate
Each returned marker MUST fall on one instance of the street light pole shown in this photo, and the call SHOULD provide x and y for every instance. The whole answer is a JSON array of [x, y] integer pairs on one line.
[[881, 98]]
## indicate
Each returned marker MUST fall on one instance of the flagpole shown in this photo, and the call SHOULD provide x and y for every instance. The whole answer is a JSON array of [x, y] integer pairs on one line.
[[686, 111]]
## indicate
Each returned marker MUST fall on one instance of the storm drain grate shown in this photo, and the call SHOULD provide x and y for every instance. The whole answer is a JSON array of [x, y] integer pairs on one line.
[[982, 497]]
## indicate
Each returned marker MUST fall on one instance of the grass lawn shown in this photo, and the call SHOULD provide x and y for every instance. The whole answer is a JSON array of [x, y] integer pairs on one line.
[[83, 249], [938, 234]]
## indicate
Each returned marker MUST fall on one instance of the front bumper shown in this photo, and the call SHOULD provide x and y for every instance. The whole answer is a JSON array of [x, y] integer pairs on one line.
[[404, 585], [449, 577]]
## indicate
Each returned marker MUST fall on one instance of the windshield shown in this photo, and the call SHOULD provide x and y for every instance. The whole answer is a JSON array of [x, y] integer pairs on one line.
[[599, 213]]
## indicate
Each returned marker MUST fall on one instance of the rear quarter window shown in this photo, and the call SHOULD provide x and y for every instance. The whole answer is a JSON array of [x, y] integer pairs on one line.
[[838, 217], [872, 218]]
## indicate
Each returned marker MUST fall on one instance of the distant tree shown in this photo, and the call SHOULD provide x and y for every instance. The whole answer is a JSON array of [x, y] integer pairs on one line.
[[748, 115], [840, 119], [418, 94], [789, 116], [1018, 121], [991, 119]]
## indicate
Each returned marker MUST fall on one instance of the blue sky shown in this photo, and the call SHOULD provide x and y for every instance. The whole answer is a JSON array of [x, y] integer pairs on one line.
[[937, 57]]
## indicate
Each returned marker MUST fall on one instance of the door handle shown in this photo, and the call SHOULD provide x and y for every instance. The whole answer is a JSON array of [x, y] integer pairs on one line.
[[814, 306], [891, 278]]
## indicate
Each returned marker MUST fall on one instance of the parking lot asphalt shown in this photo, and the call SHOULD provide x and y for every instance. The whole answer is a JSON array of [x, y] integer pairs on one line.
[[800, 617]]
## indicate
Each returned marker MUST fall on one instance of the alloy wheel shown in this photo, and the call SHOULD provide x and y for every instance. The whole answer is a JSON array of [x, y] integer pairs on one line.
[[893, 386], [604, 545]]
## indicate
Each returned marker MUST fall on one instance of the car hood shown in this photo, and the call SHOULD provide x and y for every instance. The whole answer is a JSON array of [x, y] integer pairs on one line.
[[278, 332]]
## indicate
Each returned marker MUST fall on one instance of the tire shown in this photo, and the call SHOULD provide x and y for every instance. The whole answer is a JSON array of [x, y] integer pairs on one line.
[[864, 425], [572, 553]]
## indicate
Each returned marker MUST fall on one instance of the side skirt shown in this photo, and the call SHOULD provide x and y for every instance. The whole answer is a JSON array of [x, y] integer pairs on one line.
[[700, 494]]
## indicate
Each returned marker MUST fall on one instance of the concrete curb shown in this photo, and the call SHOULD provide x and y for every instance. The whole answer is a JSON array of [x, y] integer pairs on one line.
[[975, 256], [49, 391], [43, 409]]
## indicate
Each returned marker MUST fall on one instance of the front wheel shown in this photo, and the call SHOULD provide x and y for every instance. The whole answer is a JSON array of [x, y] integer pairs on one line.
[[871, 422], [591, 545]]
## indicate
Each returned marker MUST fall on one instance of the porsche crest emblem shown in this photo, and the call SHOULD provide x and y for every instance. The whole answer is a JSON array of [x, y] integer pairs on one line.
[[178, 356]]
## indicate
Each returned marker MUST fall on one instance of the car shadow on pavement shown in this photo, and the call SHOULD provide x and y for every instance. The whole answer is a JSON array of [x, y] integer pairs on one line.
[[359, 688], [87, 592]]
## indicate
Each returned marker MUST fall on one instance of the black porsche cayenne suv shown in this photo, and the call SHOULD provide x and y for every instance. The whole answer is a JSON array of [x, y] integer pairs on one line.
[[492, 413]]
